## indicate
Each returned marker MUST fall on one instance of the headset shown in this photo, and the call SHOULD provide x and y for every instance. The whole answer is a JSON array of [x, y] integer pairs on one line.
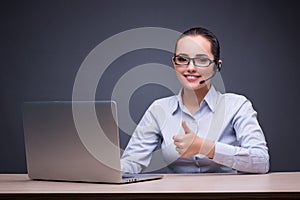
[[217, 68]]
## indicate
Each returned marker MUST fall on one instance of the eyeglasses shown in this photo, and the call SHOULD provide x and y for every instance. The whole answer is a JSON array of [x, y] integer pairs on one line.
[[198, 61]]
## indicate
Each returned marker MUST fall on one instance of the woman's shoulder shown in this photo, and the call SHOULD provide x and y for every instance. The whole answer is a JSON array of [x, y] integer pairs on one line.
[[234, 97], [166, 100], [235, 100], [162, 106]]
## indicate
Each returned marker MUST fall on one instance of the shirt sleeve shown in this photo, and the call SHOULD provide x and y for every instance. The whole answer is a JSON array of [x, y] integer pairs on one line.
[[144, 140], [251, 155]]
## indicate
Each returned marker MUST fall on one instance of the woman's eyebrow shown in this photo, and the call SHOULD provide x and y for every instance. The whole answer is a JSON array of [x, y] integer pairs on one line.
[[182, 54], [201, 55], [197, 55]]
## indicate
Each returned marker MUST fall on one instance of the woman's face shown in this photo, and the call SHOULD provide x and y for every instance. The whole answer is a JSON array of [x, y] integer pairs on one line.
[[190, 75]]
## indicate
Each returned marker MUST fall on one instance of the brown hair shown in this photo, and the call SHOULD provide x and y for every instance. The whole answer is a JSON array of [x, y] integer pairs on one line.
[[215, 46]]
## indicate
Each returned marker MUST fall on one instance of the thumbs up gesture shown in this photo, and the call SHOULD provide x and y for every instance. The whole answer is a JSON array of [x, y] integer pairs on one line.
[[190, 144]]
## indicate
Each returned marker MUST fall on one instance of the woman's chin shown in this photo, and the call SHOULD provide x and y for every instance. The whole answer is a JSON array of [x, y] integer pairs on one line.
[[194, 86]]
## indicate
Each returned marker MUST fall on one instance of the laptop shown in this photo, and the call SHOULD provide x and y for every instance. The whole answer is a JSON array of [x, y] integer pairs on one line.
[[75, 141]]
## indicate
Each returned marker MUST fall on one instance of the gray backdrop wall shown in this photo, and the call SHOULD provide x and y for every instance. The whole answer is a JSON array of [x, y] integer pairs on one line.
[[43, 44]]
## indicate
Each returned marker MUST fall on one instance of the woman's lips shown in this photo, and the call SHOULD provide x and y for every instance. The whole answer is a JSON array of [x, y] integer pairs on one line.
[[192, 78]]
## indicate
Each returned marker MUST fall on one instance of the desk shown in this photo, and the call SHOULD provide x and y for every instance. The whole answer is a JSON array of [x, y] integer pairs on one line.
[[172, 186]]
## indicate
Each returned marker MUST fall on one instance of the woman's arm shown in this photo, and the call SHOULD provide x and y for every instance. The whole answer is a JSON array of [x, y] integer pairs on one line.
[[252, 153], [144, 140]]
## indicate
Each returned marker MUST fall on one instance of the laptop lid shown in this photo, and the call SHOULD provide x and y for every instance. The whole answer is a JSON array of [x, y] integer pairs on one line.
[[61, 148]]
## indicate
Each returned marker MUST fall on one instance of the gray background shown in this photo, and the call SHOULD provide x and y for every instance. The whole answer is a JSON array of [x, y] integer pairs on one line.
[[44, 42]]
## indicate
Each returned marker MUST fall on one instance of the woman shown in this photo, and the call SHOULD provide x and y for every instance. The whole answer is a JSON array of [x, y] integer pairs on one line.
[[182, 123]]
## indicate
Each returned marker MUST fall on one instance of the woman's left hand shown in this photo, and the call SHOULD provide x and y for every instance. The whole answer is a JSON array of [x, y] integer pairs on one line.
[[190, 144]]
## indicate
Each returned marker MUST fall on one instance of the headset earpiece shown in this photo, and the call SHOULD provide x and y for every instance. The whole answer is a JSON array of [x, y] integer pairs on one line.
[[219, 67]]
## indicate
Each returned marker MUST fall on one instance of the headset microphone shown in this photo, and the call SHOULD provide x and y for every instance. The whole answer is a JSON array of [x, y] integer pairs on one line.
[[203, 81], [217, 68]]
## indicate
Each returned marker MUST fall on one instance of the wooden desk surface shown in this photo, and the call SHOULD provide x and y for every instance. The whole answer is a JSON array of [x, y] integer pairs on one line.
[[174, 186]]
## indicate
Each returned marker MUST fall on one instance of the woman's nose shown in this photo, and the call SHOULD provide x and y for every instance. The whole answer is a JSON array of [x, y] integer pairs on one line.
[[191, 67]]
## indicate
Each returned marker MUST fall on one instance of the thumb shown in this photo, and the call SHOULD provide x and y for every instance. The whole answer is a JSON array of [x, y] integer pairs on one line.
[[186, 129]]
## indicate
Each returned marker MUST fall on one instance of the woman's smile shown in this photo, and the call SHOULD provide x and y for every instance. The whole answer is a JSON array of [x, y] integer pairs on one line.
[[192, 77]]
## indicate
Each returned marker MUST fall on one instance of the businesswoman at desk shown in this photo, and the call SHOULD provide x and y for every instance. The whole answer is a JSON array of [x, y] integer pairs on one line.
[[181, 122]]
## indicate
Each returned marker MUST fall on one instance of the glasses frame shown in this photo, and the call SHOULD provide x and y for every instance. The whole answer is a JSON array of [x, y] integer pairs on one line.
[[193, 59]]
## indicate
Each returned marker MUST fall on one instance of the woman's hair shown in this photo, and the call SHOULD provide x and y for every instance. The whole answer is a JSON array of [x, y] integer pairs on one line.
[[215, 46]]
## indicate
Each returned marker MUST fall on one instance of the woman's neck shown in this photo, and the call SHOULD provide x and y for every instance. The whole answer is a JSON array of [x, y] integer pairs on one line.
[[193, 98]]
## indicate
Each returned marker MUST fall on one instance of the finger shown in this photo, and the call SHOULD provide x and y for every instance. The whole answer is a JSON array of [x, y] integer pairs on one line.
[[180, 151], [177, 138], [178, 145], [185, 128]]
